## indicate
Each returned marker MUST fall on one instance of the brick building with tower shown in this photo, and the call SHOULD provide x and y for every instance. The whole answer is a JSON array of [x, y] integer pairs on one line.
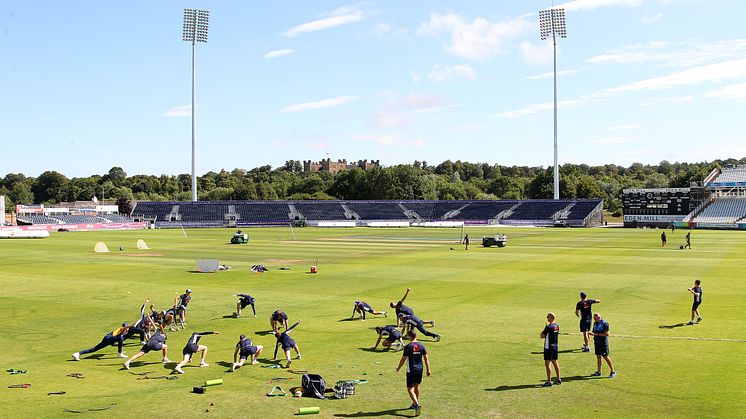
[[333, 167]]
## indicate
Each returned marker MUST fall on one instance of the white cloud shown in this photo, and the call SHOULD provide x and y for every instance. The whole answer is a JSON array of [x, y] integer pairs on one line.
[[665, 101], [732, 92], [316, 146], [178, 111], [725, 70], [479, 39], [463, 71], [622, 127], [437, 109], [677, 54], [549, 75], [320, 104], [338, 17], [278, 53], [613, 140], [537, 54], [587, 5], [382, 28], [390, 119], [648, 19], [414, 76], [711, 73], [400, 111]]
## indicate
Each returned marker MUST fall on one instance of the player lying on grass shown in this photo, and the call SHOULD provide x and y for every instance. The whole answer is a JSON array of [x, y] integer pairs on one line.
[[243, 301], [193, 347], [156, 343], [115, 337], [392, 335], [245, 349], [277, 319], [411, 321], [287, 343], [362, 307]]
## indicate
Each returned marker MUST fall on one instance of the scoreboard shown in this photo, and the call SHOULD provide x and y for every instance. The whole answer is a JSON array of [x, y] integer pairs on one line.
[[659, 206]]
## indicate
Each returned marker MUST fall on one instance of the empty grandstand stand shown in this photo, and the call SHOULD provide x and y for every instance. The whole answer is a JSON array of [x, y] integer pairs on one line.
[[423, 209], [268, 212], [442, 208], [482, 210], [723, 210], [537, 210], [377, 210], [321, 210], [727, 176], [156, 211]]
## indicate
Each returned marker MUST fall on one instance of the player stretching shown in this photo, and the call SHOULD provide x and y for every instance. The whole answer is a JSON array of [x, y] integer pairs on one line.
[[115, 337], [393, 335], [246, 350], [156, 343], [193, 347], [362, 307], [584, 311], [245, 300], [287, 343], [696, 290]]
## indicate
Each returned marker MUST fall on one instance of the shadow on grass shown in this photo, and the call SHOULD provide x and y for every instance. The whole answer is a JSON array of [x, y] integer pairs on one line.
[[225, 364], [672, 326], [374, 350], [347, 319], [264, 332], [525, 386], [564, 351], [390, 412]]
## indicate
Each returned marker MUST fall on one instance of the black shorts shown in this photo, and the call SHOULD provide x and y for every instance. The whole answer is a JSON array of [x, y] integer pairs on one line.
[[248, 351], [602, 350], [551, 354], [154, 347], [585, 324], [414, 378], [695, 305], [245, 303], [190, 349]]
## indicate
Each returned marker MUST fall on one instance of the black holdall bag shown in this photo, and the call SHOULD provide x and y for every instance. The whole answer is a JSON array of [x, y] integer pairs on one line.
[[313, 385]]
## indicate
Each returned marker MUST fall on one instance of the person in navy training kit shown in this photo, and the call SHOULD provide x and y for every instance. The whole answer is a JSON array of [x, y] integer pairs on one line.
[[246, 349], [696, 290], [412, 321], [181, 305], [115, 337], [392, 336], [362, 307], [287, 343], [585, 312], [465, 242], [601, 344], [414, 354], [663, 239], [244, 301], [277, 319], [157, 342], [193, 347], [550, 334], [142, 326], [400, 307]]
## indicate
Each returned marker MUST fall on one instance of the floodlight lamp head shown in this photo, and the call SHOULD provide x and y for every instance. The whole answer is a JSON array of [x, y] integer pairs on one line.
[[552, 22]]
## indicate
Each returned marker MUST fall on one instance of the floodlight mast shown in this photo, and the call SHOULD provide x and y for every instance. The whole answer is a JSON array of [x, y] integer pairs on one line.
[[552, 22], [196, 23]]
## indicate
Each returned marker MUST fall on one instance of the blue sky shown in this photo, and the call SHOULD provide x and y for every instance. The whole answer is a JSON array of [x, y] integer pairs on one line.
[[87, 85]]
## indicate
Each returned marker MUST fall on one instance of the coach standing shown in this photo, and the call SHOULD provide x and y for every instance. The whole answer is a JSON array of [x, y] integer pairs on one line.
[[550, 334], [696, 290], [584, 311], [414, 355], [600, 335]]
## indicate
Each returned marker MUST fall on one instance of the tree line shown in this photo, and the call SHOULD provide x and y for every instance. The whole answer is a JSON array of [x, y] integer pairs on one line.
[[419, 180]]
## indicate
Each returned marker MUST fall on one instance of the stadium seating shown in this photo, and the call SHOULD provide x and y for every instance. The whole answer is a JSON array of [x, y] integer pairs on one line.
[[38, 219], [377, 210], [270, 212], [723, 210], [537, 210], [321, 210], [207, 213], [731, 176]]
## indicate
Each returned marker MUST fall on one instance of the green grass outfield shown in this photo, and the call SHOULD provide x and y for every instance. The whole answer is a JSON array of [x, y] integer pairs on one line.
[[58, 297]]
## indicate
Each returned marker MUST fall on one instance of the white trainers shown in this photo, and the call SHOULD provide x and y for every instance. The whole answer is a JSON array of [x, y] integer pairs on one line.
[[202, 364], [76, 356], [234, 366], [254, 362], [122, 355], [166, 360], [126, 365], [179, 370], [297, 357]]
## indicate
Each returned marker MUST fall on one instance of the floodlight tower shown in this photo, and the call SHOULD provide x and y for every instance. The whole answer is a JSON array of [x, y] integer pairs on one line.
[[552, 22], [195, 30]]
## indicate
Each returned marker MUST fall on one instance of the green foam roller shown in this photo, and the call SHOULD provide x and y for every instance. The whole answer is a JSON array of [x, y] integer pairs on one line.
[[308, 410], [217, 382]]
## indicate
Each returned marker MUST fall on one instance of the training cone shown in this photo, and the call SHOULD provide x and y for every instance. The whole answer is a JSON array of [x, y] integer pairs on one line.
[[308, 410], [100, 247], [216, 382]]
